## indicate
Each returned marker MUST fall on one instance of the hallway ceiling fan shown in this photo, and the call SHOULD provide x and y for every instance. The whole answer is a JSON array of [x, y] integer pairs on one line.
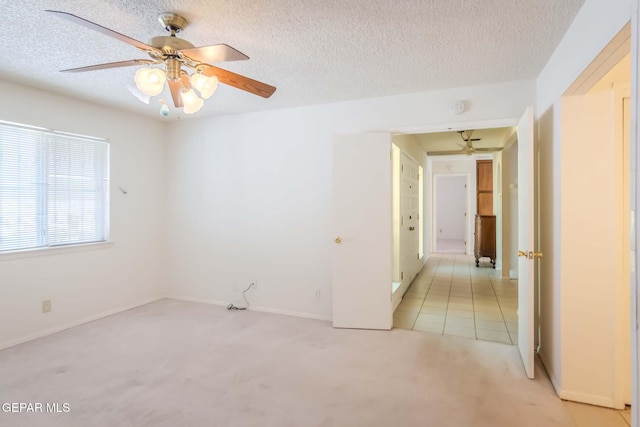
[[466, 148], [174, 55]]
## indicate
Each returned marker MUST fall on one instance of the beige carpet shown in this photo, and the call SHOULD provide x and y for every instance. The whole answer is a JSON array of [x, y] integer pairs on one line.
[[174, 363]]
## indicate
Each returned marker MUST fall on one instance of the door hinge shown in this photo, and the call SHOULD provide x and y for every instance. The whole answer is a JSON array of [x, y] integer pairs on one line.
[[402, 168], [401, 220], [402, 275]]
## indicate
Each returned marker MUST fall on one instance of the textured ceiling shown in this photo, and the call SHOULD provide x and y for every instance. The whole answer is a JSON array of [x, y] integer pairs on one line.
[[312, 51], [445, 141]]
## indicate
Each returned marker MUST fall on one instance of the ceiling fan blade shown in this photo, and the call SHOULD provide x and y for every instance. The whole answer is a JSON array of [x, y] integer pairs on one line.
[[106, 31], [176, 92], [109, 65], [240, 82], [214, 53], [489, 150]]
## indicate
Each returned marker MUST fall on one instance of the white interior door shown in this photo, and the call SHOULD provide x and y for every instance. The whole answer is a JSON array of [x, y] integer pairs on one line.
[[362, 224], [409, 212], [526, 242]]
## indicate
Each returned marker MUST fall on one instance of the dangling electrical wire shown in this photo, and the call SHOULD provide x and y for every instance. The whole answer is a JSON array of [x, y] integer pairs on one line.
[[233, 307]]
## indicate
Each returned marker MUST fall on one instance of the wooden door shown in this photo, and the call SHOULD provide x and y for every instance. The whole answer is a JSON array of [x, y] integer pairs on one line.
[[484, 186]]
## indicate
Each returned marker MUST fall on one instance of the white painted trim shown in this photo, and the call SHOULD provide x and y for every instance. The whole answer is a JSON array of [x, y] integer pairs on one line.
[[550, 373], [612, 53], [255, 308], [455, 126], [607, 402], [635, 161], [70, 325], [54, 250]]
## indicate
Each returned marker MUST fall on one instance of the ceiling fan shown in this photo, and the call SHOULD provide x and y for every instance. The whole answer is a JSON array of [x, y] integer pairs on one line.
[[466, 148], [175, 53]]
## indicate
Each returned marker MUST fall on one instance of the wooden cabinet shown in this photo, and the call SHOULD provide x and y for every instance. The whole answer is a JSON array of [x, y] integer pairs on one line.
[[484, 186], [485, 239]]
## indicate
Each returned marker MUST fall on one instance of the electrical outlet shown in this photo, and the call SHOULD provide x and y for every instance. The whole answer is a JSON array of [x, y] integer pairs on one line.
[[316, 296], [46, 306]]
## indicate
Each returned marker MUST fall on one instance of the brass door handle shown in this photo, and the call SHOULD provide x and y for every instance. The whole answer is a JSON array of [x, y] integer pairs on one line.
[[530, 254], [338, 240]]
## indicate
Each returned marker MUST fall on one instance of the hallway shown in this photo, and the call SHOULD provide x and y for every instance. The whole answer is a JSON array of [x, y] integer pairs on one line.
[[450, 296]]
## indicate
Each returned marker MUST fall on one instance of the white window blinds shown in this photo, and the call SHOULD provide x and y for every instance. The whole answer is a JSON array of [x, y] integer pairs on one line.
[[54, 188]]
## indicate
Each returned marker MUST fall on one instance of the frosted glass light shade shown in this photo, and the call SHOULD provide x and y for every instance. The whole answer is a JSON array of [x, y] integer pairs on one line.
[[205, 85], [192, 103], [150, 81]]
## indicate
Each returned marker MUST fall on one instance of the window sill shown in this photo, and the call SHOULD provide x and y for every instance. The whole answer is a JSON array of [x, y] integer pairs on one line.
[[56, 250]]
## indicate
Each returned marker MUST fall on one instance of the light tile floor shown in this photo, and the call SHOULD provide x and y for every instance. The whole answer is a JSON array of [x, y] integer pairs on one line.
[[450, 296]]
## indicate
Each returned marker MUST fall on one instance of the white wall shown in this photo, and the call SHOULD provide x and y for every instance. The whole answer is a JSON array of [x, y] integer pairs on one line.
[[595, 25], [250, 195], [451, 204], [87, 284]]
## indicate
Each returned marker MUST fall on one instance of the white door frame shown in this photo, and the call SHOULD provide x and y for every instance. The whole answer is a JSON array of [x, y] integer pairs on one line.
[[635, 196], [434, 215]]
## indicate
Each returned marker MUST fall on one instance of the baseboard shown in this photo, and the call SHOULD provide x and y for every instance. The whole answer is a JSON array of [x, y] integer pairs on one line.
[[292, 313], [572, 395], [513, 274], [199, 300], [65, 326], [256, 308], [607, 402]]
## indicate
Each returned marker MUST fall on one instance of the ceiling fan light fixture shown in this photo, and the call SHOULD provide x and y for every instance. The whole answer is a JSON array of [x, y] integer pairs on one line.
[[192, 103], [205, 85], [150, 81]]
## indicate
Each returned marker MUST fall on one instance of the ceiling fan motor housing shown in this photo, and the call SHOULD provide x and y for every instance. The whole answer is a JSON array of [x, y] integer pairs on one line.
[[172, 22]]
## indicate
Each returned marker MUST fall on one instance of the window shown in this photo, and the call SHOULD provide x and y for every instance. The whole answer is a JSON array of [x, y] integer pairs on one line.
[[54, 188]]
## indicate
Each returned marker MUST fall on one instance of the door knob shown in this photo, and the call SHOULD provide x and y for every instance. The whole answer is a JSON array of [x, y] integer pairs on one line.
[[338, 240], [530, 254]]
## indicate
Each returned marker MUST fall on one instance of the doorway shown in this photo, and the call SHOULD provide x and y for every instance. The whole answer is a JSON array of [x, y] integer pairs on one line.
[[451, 296], [601, 146], [451, 213]]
